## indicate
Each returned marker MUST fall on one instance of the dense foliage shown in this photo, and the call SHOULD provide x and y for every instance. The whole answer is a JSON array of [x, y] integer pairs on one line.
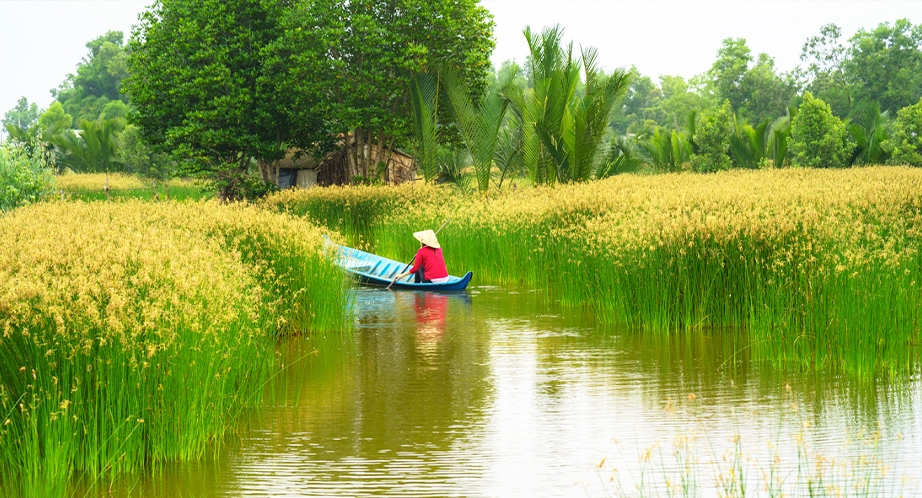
[[25, 175], [221, 89], [712, 139], [221, 83], [96, 90], [817, 136], [906, 143]]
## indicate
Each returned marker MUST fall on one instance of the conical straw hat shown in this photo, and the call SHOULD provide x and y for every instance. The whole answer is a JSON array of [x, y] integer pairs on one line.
[[427, 237]]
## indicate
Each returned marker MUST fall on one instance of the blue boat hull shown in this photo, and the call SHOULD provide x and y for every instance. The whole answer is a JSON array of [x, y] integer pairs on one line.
[[371, 269]]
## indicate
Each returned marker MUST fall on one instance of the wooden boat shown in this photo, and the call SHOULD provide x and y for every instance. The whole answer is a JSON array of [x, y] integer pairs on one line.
[[371, 269]]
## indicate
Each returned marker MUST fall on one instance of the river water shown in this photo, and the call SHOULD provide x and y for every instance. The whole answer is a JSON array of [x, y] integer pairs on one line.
[[501, 393]]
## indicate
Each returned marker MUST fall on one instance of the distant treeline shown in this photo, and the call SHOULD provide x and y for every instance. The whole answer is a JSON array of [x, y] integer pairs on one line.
[[195, 94]]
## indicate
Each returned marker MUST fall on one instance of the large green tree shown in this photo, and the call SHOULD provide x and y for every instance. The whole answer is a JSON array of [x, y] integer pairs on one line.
[[203, 90], [727, 72], [643, 101], [353, 61], [766, 94], [906, 141], [219, 83], [680, 100], [825, 57], [22, 115], [885, 66], [712, 140], [98, 81], [818, 136]]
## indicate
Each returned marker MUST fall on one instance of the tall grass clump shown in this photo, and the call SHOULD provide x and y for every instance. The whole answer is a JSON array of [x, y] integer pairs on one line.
[[821, 267], [135, 333]]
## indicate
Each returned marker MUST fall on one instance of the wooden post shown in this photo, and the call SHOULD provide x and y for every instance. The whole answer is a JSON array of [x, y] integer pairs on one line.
[[106, 188]]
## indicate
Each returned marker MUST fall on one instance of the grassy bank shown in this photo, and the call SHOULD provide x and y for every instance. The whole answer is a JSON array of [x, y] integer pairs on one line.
[[135, 333], [91, 187], [820, 267]]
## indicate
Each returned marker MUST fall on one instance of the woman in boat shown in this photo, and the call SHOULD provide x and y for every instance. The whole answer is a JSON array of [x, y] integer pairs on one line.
[[428, 265]]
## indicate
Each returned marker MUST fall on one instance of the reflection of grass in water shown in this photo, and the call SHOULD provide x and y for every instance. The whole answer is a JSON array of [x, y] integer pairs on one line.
[[695, 464]]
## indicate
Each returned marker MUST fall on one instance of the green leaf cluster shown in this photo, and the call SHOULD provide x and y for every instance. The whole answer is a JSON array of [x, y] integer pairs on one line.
[[712, 140], [94, 149], [22, 115], [26, 175], [906, 142], [818, 138], [564, 126], [96, 90], [217, 83]]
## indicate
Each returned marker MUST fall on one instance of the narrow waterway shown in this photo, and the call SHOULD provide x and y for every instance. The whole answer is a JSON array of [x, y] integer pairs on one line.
[[500, 393]]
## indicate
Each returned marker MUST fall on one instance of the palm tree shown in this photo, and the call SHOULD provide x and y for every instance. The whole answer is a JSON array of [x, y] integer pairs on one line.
[[586, 124], [778, 135], [748, 146], [93, 149], [869, 130], [479, 123], [424, 103], [563, 131], [621, 158]]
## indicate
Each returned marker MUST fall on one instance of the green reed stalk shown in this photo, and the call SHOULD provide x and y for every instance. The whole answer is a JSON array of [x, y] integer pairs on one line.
[[89, 397], [805, 295]]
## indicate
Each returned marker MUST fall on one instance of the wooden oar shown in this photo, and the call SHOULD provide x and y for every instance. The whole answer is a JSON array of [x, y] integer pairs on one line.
[[411, 262]]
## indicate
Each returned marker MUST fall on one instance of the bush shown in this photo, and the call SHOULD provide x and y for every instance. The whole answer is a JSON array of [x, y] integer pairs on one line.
[[25, 175], [139, 159], [817, 136], [906, 141], [712, 137]]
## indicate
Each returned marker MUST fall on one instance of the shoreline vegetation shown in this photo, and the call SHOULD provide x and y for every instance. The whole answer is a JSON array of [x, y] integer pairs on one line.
[[819, 268], [110, 311], [135, 333]]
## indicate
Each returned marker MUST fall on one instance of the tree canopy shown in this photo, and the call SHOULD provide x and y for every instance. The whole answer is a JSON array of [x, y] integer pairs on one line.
[[98, 82], [220, 82]]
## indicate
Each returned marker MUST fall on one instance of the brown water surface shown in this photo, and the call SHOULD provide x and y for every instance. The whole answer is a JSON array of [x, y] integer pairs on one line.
[[501, 393]]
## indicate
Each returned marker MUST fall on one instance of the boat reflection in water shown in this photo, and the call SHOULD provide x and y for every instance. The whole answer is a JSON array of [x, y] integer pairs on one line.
[[431, 310]]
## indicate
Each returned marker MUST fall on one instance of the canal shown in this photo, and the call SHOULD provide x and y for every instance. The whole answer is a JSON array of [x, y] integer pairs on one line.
[[497, 392]]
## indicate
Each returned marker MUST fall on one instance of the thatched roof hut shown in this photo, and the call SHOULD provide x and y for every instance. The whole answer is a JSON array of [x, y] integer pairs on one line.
[[341, 167]]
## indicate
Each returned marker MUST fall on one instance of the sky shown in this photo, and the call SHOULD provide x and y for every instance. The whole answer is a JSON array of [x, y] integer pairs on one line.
[[41, 41]]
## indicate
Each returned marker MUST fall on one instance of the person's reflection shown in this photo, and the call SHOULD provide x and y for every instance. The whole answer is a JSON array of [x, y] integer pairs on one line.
[[431, 310]]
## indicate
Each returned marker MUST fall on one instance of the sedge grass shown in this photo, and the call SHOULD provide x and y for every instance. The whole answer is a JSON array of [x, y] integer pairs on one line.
[[135, 333], [820, 267]]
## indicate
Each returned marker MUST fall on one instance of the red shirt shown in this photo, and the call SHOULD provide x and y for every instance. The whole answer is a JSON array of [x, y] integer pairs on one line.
[[431, 261]]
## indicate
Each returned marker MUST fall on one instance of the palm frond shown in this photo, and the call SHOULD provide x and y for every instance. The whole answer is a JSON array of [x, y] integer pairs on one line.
[[424, 103]]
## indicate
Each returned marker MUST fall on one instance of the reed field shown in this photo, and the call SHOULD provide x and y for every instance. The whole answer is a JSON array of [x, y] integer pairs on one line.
[[91, 187], [820, 269], [135, 333]]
